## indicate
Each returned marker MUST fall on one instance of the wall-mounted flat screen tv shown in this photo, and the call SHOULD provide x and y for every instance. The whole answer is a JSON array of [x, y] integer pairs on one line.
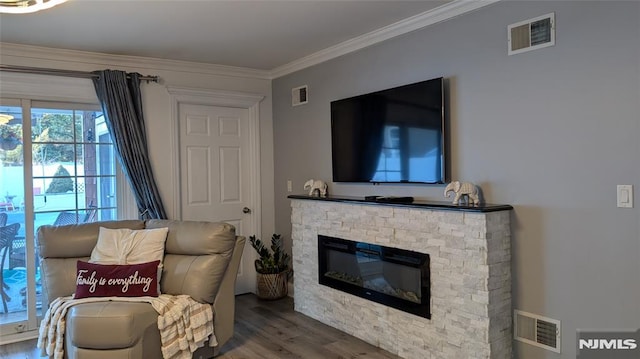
[[391, 136]]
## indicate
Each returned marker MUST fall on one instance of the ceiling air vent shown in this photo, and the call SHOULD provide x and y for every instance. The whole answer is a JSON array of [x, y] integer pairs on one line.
[[532, 34], [536, 330], [299, 95]]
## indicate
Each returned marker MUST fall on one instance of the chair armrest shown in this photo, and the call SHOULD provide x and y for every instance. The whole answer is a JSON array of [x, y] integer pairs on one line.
[[224, 305]]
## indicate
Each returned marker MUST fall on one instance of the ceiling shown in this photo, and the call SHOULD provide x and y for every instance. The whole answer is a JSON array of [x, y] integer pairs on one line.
[[260, 35]]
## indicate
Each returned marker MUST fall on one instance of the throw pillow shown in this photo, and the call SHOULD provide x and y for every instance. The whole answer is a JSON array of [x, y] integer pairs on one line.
[[129, 246], [113, 280]]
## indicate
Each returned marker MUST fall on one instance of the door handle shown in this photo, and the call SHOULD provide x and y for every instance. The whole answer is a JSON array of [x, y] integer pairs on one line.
[[246, 210]]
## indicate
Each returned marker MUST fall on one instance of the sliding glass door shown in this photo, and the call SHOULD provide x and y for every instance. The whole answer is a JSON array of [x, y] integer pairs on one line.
[[57, 168], [14, 243]]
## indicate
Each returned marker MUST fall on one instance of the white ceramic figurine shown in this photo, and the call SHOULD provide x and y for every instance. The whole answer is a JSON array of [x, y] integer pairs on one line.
[[463, 189], [316, 186]]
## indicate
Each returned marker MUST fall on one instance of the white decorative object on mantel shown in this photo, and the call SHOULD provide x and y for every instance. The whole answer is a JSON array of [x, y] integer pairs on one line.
[[316, 186], [463, 189]]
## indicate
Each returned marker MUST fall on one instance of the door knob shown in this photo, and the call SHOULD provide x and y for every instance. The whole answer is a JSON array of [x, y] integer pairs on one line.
[[246, 210]]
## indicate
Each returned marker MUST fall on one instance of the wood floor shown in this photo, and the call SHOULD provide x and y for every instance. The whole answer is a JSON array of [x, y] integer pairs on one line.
[[265, 330]]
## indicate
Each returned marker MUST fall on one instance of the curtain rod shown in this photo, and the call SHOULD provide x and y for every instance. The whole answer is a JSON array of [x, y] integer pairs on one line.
[[57, 72]]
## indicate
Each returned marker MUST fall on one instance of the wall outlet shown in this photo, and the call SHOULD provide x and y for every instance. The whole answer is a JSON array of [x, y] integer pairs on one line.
[[289, 186]]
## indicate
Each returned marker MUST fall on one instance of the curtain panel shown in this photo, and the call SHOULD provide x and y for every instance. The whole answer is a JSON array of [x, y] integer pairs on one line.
[[121, 101]]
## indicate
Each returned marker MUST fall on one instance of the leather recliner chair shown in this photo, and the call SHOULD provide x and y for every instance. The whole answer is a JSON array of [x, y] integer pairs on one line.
[[201, 260]]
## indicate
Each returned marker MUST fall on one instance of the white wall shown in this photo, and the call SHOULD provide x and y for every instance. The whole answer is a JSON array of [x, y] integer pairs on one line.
[[156, 99], [551, 132]]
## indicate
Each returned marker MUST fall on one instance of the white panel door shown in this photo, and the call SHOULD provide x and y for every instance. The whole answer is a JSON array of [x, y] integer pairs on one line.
[[215, 173]]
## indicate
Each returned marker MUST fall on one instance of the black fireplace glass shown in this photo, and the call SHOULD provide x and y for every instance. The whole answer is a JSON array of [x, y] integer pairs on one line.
[[391, 276]]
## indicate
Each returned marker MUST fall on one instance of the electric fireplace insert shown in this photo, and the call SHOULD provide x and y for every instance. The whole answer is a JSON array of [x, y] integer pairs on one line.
[[391, 276]]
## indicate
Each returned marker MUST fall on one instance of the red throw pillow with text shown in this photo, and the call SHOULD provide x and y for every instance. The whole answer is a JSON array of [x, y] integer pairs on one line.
[[114, 280]]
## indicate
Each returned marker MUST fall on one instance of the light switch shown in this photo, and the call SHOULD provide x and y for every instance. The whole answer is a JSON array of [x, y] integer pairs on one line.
[[289, 186], [625, 196]]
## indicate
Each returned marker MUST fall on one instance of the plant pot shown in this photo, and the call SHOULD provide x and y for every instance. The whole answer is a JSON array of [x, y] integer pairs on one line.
[[9, 144], [272, 286]]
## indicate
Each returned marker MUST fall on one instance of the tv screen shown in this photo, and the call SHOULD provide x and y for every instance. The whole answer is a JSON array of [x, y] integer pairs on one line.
[[390, 136]]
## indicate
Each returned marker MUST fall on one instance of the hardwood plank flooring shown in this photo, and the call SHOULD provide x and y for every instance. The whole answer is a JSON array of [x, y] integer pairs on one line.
[[271, 329], [22, 350], [265, 330]]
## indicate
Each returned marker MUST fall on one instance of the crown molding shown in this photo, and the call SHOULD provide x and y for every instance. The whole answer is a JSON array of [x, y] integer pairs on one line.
[[416, 22], [70, 59]]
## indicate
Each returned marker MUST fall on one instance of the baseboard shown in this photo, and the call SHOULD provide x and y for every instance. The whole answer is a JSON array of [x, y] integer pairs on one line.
[[18, 337]]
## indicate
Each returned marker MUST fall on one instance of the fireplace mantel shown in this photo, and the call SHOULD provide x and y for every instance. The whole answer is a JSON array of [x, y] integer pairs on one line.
[[440, 205], [470, 269]]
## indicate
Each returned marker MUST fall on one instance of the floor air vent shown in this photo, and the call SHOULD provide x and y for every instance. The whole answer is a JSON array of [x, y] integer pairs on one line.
[[536, 330], [532, 34]]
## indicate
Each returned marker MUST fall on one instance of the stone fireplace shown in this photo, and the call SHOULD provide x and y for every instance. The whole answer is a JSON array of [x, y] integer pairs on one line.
[[470, 276]]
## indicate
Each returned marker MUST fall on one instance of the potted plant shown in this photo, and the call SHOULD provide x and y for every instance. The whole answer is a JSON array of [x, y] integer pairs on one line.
[[272, 268], [9, 137]]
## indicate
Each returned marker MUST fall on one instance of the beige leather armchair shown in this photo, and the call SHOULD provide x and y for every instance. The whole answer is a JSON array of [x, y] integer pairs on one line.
[[201, 260]]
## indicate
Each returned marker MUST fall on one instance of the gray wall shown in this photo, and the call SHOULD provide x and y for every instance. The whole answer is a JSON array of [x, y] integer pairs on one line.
[[551, 132]]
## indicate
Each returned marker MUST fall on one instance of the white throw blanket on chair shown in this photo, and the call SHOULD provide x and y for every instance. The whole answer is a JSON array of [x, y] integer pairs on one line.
[[184, 324]]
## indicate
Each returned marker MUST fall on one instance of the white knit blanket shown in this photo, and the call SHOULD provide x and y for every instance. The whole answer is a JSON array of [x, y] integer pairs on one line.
[[184, 324]]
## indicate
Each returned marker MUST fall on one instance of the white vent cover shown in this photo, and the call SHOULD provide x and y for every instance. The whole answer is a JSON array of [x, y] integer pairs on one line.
[[299, 95], [532, 34], [536, 330]]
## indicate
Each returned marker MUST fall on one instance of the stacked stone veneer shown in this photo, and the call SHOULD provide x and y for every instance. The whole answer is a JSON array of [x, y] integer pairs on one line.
[[470, 277]]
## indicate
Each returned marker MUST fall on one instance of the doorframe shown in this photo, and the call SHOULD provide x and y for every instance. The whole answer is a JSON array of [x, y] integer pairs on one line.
[[248, 101]]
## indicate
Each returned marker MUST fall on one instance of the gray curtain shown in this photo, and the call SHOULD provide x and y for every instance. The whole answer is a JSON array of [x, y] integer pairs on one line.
[[119, 95]]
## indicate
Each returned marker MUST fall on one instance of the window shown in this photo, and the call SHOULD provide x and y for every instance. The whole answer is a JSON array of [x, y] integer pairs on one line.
[[57, 166], [73, 166]]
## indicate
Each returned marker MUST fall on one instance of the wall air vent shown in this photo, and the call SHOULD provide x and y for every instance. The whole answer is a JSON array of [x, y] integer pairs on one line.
[[536, 330], [299, 95], [532, 34]]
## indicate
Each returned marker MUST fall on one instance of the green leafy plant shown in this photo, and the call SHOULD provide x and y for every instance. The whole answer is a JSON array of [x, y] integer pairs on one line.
[[10, 138], [61, 182], [10, 132], [271, 261]]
